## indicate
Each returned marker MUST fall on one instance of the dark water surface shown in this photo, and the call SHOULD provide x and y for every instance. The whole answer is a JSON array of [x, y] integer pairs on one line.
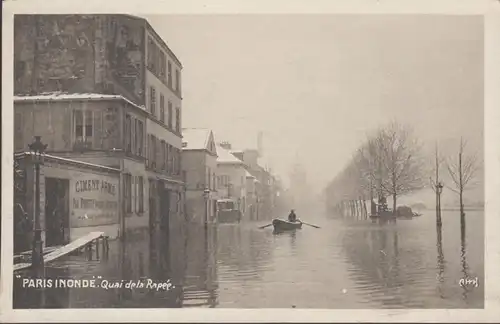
[[344, 264]]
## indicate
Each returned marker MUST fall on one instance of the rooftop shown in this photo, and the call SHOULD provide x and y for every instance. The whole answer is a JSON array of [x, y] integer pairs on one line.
[[195, 138], [62, 96], [225, 156]]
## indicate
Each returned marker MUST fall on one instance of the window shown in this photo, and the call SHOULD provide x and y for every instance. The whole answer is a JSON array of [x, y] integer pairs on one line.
[[162, 66], [213, 181], [139, 137], [151, 46], [83, 127], [156, 155], [152, 151], [133, 196], [128, 133], [162, 108], [139, 194], [152, 101], [169, 115], [169, 75], [177, 120], [127, 192], [174, 160], [132, 135], [169, 159], [154, 62], [162, 147], [177, 81]]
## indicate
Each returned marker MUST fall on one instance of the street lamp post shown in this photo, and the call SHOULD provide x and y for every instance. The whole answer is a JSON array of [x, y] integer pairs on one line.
[[439, 190], [37, 150], [206, 194]]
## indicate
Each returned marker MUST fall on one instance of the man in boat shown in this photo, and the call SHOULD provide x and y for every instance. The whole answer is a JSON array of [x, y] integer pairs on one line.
[[292, 217]]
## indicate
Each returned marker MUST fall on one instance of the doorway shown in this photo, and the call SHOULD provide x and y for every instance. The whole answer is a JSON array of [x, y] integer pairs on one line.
[[57, 211], [164, 218], [164, 197]]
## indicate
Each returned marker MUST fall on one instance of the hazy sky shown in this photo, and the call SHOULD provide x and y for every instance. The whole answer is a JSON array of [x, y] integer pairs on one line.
[[315, 84]]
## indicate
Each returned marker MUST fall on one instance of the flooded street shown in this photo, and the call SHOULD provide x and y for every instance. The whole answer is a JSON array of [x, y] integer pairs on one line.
[[343, 264], [352, 265]]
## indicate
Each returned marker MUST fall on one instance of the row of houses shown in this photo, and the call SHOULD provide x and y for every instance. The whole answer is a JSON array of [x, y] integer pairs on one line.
[[104, 93], [215, 172]]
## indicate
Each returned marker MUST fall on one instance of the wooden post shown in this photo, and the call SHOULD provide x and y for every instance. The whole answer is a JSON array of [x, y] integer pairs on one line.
[[97, 248]]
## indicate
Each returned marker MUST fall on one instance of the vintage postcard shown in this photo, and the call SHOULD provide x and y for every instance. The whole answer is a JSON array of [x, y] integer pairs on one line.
[[287, 161]]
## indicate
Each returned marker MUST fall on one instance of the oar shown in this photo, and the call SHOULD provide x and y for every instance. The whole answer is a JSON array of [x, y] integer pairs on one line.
[[261, 227], [310, 224]]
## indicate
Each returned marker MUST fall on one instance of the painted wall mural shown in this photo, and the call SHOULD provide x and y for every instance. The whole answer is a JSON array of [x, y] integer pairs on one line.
[[125, 55]]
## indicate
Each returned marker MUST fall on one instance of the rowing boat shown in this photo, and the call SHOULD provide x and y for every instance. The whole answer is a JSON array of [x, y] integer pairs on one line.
[[284, 225]]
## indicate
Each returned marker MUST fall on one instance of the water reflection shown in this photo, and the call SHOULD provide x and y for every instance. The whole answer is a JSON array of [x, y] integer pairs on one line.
[[344, 264], [463, 260], [440, 261], [200, 280]]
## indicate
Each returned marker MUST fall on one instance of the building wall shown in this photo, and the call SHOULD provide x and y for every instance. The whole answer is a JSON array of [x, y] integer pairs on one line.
[[80, 53], [83, 219], [55, 122], [165, 84], [251, 207], [135, 218], [237, 179], [193, 165], [200, 170]]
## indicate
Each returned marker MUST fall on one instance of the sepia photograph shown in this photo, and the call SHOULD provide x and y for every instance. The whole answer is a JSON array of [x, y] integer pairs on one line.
[[248, 161]]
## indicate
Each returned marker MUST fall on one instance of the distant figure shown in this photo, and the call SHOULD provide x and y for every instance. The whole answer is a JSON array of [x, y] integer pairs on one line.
[[382, 205], [292, 217]]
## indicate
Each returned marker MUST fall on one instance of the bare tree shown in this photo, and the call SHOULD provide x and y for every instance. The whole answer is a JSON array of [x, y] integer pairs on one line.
[[389, 162], [400, 155], [462, 171]]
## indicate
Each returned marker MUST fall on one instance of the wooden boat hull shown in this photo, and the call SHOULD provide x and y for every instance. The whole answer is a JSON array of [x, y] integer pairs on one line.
[[281, 225]]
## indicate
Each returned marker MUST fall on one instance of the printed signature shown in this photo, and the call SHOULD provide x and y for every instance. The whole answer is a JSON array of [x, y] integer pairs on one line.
[[469, 282]]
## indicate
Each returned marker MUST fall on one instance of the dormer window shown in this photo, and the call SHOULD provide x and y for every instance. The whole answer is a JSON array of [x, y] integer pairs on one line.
[[184, 144]]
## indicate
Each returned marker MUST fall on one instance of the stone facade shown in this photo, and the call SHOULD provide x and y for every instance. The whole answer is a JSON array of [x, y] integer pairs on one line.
[[81, 82], [80, 53]]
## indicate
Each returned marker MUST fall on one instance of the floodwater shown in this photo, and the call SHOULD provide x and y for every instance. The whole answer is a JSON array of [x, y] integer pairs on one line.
[[344, 264]]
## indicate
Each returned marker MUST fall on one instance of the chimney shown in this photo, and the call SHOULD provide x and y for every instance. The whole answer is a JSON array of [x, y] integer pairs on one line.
[[225, 145]]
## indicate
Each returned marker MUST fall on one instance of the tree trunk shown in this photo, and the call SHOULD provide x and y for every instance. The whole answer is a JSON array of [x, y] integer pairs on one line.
[[394, 205], [462, 214]]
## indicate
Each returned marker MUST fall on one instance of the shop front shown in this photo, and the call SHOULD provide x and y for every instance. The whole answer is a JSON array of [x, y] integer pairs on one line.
[[76, 198]]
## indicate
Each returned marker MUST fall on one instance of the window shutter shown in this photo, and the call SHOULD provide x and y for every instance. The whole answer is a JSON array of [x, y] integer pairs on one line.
[[98, 138], [132, 135], [132, 207]]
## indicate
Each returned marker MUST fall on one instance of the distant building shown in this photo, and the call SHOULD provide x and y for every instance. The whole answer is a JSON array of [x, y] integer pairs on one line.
[[252, 211], [299, 187], [231, 175], [265, 187], [199, 156]]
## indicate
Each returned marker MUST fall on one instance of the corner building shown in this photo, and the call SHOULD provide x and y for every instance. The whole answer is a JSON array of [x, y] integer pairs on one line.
[[105, 90]]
